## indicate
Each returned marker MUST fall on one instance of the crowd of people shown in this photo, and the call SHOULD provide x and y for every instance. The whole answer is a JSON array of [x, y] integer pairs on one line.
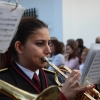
[[24, 60], [74, 54]]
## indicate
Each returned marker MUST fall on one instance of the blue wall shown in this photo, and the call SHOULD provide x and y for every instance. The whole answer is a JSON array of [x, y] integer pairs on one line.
[[49, 11]]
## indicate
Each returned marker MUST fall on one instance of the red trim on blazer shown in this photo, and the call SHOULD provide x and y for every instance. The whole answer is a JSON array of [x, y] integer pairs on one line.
[[45, 78]]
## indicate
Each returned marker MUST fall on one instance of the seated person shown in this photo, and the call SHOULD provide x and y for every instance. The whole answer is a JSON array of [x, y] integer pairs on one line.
[[83, 58], [80, 45], [56, 53], [72, 58]]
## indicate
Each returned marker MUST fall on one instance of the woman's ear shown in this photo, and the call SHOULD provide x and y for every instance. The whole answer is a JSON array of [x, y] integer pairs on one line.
[[18, 47]]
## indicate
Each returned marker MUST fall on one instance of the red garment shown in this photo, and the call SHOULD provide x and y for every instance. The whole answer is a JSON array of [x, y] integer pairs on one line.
[[63, 96]]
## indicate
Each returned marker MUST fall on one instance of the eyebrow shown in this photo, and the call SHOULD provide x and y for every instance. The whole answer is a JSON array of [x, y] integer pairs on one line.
[[42, 40]]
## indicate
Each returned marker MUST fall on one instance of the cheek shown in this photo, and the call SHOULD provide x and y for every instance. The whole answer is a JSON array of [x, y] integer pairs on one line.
[[84, 58], [71, 51], [66, 51], [32, 52]]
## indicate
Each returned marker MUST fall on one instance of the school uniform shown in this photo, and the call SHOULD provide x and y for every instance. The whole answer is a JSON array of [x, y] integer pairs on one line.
[[15, 76]]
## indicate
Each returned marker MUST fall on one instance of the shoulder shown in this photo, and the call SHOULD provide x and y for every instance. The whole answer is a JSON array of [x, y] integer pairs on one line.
[[59, 56], [50, 74], [74, 60], [49, 71], [3, 70], [52, 77]]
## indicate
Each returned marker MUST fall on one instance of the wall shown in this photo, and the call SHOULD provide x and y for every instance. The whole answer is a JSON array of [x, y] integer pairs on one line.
[[49, 11], [81, 19], [69, 18]]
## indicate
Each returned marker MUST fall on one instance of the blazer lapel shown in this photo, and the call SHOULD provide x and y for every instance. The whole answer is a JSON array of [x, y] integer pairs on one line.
[[25, 82], [42, 80]]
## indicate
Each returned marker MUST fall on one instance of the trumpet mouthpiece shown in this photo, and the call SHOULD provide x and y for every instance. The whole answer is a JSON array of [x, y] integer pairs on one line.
[[46, 59]]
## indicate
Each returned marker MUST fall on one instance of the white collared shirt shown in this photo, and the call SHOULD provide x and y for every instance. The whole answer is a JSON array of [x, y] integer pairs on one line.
[[28, 72]]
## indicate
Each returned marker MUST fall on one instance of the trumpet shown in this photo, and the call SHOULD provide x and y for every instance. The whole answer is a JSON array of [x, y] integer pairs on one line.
[[92, 94]]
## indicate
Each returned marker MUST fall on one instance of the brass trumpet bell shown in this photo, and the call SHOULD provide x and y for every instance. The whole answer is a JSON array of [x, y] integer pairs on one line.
[[51, 93]]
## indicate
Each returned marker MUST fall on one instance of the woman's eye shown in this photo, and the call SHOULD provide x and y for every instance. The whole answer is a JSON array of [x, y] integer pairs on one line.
[[40, 44], [49, 43]]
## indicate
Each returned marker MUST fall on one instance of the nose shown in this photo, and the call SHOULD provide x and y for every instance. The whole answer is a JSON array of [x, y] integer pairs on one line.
[[47, 50]]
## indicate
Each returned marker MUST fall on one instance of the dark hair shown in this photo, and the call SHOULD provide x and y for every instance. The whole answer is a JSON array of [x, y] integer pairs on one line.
[[63, 47], [53, 38], [70, 40], [73, 45], [27, 27], [80, 43], [58, 46]]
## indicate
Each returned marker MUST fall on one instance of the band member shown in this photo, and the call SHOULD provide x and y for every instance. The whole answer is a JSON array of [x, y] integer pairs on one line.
[[28, 47]]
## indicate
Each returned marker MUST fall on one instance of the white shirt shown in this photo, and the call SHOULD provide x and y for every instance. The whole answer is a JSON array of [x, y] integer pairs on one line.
[[81, 67], [28, 72]]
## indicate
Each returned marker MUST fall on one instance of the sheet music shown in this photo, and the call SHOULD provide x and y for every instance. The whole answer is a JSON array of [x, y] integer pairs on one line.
[[9, 21], [91, 71]]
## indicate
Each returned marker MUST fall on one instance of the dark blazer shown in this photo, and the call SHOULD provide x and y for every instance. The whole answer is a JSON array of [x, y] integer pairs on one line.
[[15, 76]]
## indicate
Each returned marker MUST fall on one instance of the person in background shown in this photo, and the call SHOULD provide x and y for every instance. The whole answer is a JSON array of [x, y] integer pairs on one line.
[[80, 45], [50, 56], [53, 38], [72, 59], [63, 48], [83, 58], [28, 47], [97, 40], [56, 52], [70, 40]]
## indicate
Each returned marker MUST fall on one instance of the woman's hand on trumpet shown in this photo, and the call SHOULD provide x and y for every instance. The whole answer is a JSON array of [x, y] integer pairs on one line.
[[71, 86]]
